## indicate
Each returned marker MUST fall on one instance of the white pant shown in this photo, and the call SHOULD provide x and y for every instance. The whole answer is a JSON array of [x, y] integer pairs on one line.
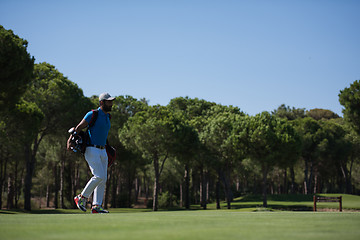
[[98, 162]]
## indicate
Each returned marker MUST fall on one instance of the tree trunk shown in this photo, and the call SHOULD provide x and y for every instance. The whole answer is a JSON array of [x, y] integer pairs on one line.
[[156, 185], [1, 191], [285, 187], [203, 190], [10, 197], [1, 188], [181, 195], [264, 191], [292, 173], [146, 187], [75, 182], [118, 191], [30, 165], [228, 192], [207, 188], [129, 188], [346, 176], [158, 169], [308, 175], [201, 187], [350, 186], [69, 191], [56, 187], [315, 183], [30, 159], [62, 182], [113, 187], [17, 190], [137, 190], [187, 187], [48, 195], [3, 167], [309, 184], [218, 193], [237, 183], [107, 190]]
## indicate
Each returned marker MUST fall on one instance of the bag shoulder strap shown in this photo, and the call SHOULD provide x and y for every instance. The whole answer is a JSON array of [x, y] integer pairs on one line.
[[91, 123], [93, 117]]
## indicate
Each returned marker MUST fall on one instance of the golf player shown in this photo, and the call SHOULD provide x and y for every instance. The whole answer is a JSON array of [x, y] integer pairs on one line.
[[95, 154]]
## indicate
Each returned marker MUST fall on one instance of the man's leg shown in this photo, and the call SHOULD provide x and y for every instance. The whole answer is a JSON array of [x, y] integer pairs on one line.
[[100, 189], [93, 158]]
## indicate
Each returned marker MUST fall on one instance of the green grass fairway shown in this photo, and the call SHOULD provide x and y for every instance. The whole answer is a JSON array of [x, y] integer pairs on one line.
[[210, 224]]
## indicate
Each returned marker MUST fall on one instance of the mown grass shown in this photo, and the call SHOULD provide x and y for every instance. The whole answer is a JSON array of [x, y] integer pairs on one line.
[[246, 220], [211, 224]]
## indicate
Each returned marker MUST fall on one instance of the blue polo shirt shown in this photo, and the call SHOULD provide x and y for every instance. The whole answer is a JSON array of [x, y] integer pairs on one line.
[[99, 132]]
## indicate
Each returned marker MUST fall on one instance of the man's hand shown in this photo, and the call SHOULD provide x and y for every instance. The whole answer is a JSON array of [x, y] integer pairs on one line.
[[83, 124], [69, 144]]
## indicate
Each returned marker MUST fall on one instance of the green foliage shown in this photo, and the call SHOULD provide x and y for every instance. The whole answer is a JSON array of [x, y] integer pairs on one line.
[[33, 115], [125, 107], [193, 110], [350, 99], [16, 68], [218, 134], [271, 140], [324, 148], [309, 130], [167, 200], [57, 97], [321, 114], [150, 132], [293, 113]]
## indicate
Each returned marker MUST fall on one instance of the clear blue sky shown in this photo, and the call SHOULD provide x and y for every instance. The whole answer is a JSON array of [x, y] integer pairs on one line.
[[255, 54]]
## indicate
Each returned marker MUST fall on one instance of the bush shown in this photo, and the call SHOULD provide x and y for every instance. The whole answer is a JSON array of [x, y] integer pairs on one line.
[[167, 200]]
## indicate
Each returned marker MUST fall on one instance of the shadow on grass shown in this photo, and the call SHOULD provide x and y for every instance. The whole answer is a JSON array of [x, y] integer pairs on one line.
[[273, 207], [41, 211], [251, 207], [278, 198], [70, 211], [283, 202]]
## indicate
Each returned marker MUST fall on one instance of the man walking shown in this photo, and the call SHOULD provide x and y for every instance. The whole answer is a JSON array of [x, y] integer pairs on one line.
[[95, 154]]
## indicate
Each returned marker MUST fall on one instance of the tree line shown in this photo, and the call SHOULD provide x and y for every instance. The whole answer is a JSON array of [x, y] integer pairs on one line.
[[190, 151]]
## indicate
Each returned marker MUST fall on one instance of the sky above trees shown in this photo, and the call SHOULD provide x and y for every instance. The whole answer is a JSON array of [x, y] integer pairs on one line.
[[255, 55]]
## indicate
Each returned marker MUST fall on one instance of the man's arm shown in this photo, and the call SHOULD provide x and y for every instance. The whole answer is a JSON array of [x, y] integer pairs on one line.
[[83, 124]]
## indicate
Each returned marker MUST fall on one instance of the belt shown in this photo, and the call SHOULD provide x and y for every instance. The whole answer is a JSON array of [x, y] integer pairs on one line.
[[97, 146]]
